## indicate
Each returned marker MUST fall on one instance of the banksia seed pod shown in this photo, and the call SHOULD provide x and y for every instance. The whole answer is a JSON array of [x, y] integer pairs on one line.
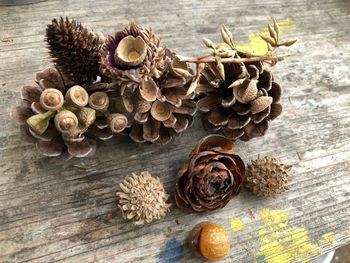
[[266, 176], [74, 49], [211, 240], [142, 198], [211, 177]]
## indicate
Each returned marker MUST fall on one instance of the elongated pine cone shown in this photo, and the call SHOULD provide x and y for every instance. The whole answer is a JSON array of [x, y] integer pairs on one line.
[[211, 177], [266, 176], [159, 108], [62, 120], [241, 105], [74, 49], [142, 198]]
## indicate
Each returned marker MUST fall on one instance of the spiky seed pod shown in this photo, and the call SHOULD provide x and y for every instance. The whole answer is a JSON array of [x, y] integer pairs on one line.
[[56, 128], [132, 56], [266, 176], [142, 198], [74, 49], [241, 106]]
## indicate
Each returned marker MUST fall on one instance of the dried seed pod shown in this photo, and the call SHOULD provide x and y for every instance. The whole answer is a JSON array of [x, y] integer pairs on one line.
[[179, 68], [51, 99], [66, 121], [148, 90], [211, 240], [86, 116], [246, 94], [160, 111], [77, 96], [117, 122], [142, 198], [99, 101], [266, 176], [131, 51], [40, 122], [211, 177], [260, 104]]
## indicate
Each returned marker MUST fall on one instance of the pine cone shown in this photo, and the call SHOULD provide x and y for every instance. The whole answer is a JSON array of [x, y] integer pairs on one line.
[[57, 119], [240, 106], [132, 56], [159, 108], [211, 177], [267, 177], [74, 49], [142, 198]]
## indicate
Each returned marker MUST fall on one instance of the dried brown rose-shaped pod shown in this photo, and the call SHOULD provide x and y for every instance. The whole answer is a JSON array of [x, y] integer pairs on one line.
[[211, 177]]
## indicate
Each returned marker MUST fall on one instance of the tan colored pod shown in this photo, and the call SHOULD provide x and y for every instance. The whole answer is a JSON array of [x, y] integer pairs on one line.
[[51, 99], [131, 51]]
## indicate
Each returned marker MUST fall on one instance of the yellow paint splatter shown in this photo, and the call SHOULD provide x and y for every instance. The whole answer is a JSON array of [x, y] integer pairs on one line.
[[236, 224], [329, 238], [282, 243], [256, 45]]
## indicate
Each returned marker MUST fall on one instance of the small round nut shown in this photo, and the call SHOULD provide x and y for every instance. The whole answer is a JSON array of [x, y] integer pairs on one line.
[[211, 240]]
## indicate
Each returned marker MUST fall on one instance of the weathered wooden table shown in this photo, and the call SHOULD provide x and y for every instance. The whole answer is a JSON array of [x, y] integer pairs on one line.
[[53, 210]]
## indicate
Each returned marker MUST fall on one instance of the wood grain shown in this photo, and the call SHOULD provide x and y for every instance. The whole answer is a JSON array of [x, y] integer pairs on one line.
[[54, 210]]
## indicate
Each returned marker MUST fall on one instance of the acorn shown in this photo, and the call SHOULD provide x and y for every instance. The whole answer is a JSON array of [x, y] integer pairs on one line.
[[211, 240]]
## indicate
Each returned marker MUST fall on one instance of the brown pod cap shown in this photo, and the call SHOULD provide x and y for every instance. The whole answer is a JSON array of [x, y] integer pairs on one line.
[[77, 96], [51, 99], [131, 51], [66, 121], [160, 111], [99, 101], [117, 122], [211, 177], [148, 90], [211, 240]]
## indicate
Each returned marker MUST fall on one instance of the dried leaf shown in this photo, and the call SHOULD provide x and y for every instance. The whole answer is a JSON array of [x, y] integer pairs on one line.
[[182, 72], [192, 87], [227, 36], [288, 43], [208, 43], [237, 83], [269, 40], [272, 32], [220, 67]]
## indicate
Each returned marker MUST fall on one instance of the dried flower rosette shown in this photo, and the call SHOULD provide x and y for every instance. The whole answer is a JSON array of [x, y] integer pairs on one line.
[[64, 120], [211, 177]]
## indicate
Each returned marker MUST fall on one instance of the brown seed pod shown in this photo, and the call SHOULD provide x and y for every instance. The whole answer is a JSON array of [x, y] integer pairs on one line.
[[131, 51], [77, 96], [117, 122], [211, 240], [51, 99], [66, 121], [99, 101]]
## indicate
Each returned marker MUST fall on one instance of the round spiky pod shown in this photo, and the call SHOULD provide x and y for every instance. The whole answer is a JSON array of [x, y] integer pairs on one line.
[[266, 176], [74, 49], [142, 198]]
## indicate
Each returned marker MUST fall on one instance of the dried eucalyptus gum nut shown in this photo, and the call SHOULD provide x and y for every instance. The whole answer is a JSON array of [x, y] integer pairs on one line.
[[51, 99], [211, 240], [99, 100], [77, 96], [160, 111], [66, 121], [149, 90], [131, 51], [117, 122]]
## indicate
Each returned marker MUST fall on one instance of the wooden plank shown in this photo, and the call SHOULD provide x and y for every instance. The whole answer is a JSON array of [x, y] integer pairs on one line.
[[53, 210]]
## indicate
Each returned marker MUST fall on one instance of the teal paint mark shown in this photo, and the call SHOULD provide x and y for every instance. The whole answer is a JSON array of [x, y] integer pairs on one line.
[[261, 258], [172, 252], [311, 103]]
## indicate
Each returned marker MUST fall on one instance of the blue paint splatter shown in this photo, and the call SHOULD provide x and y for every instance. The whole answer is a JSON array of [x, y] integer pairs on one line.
[[172, 252], [261, 258]]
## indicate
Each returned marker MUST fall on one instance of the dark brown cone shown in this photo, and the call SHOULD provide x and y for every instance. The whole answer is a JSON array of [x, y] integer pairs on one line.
[[211, 177], [240, 112], [161, 113], [74, 49], [52, 142]]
